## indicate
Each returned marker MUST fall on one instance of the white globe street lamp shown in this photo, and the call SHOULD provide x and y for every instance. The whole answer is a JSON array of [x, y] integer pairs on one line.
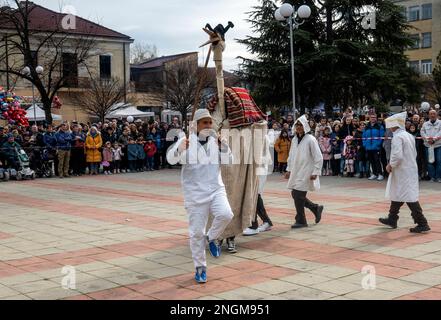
[[279, 16], [287, 13], [39, 69], [286, 10], [26, 71], [304, 12]]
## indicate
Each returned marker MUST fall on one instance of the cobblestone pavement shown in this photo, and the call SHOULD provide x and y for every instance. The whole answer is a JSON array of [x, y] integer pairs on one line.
[[126, 237]]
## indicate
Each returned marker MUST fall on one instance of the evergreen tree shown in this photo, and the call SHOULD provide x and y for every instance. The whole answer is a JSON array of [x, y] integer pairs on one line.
[[340, 58]]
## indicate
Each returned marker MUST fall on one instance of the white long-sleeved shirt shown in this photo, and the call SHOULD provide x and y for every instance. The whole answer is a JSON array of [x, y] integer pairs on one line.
[[200, 176]]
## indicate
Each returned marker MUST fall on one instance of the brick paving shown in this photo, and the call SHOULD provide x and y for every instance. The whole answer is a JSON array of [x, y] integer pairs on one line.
[[126, 237]]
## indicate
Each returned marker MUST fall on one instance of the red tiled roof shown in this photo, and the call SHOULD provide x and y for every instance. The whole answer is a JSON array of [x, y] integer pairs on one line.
[[159, 61], [46, 20]]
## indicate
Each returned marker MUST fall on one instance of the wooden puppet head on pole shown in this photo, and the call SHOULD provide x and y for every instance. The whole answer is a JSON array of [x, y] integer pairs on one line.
[[217, 45]]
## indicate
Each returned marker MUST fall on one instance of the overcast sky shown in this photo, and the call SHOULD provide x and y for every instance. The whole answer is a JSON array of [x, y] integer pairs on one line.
[[174, 26]]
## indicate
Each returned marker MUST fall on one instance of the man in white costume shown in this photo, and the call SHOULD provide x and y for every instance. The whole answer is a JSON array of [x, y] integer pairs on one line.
[[204, 191], [305, 164], [403, 184], [262, 174]]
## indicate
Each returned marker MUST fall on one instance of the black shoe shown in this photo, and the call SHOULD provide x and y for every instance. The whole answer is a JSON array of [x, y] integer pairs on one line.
[[420, 229], [318, 215], [389, 223], [299, 226], [231, 246]]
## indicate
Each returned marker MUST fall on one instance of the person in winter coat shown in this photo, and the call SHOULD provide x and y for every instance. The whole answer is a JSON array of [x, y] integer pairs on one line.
[[361, 164], [8, 150], [107, 158], [93, 144], [305, 164], [64, 143], [347, 129], [109, 135], [431, 132], [123, 141], [326, 148], [156, 137], [132, 155], [150, 151], [373, 135], [49, 139], [350, 154], [282, 147], [204, 190], [140, 163], [336, 155], [78, 159], [403, 184], [117, 157]]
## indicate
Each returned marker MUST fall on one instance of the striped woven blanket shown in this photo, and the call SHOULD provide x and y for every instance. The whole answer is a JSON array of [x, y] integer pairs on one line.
[[241, 108]]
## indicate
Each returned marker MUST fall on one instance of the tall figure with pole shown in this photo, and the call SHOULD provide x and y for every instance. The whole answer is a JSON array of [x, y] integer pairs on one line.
[[234, 110], [200, 154]]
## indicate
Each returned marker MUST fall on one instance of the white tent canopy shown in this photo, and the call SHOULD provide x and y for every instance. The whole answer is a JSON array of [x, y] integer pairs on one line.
[[120, 110], [35, 113]]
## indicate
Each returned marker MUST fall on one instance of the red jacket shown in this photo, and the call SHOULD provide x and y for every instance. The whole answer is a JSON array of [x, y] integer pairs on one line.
[[150, 149]]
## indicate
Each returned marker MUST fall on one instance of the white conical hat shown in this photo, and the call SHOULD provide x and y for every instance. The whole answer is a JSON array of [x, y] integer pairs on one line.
[[397, 120]]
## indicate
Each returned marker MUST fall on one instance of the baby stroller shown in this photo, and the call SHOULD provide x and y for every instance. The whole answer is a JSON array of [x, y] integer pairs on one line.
[[45, 164], [19, 167]]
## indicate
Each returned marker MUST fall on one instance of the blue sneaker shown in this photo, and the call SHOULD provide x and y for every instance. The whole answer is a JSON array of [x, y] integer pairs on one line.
[[201, 275], [215, 248]]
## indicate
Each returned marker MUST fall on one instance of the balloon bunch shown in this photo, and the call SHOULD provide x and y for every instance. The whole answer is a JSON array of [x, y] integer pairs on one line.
[[10, 108]]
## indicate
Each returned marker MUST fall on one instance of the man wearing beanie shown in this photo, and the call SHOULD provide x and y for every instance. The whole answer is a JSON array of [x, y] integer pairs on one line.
[[204, 191]]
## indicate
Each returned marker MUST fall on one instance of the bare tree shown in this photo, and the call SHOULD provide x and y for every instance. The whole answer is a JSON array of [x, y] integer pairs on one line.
[[101, 98], [59, 50], [141, 52], [180, 85]]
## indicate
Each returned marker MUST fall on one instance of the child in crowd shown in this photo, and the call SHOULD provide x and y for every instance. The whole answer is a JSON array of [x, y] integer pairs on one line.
[[117, 158], [132, 154], [320, 130], [336, 156], [107, 158], [140, 155], [350, 154], [326, 148], [150, 151]]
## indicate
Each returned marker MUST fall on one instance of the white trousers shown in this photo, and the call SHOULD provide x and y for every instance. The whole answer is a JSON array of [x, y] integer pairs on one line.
[[220, 208]]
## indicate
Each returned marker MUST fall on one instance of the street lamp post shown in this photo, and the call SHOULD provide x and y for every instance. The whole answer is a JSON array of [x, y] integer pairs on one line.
[[27, 71], [294, 19]]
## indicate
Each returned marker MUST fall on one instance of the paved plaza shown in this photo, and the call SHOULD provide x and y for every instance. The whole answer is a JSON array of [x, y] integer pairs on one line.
[[125, 237]]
